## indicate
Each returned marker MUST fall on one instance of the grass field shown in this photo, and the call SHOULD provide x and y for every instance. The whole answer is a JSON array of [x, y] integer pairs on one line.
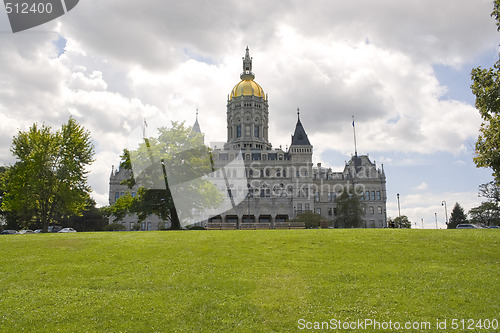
[[246, 281]]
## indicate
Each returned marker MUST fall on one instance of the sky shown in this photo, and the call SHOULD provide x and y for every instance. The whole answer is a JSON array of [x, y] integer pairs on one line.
[[401, 68]]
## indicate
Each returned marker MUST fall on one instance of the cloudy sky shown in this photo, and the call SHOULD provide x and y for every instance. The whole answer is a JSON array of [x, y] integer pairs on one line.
[[400, 67]]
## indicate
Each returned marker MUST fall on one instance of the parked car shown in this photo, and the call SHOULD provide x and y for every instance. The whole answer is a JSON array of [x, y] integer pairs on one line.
[[54, 228], [494, 227], [9, 232], [37, 231], [467, 226], [64, 230], [26, 232]]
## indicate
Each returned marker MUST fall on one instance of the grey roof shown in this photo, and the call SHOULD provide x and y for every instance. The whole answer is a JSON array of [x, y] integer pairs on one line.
[[299, 138], [196, 126]]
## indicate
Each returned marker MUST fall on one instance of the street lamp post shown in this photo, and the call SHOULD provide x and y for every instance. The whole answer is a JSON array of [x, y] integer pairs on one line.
[[422, 223], [443, 203], [436, 214], [399, 211], [399, 207]]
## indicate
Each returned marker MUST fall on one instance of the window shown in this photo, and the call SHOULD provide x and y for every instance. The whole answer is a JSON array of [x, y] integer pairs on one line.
[[373, 195], [316, 197], [256, 131], [379, 209], [299, 208], [367, 195], [117, 195], [134, 194], [330, 211], [372, 210], [238, 131], [318, 211], [278, 172], [307, 207], [378, 195]]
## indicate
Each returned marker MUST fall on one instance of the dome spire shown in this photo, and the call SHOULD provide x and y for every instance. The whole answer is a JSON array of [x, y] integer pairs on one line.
[[247, 67]]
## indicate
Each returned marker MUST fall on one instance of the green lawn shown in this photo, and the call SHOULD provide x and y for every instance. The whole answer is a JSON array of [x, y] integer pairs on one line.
[[245, 281]]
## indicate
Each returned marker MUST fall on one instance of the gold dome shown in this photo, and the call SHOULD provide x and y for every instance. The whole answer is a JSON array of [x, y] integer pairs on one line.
[[247, 88]]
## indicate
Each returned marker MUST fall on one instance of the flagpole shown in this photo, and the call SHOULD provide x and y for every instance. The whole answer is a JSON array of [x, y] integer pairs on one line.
[[354, 130]]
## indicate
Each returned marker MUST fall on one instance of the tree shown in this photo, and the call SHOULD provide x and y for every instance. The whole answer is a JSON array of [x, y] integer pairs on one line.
[[399, 222], [10, 220], [349, 210], [49, 180], [172, 163], [457, 217], [310, 219], [488, 213], [486, 87], [490, 191], [91, 219]]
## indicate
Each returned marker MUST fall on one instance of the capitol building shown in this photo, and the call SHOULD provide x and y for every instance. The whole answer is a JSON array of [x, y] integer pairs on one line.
[[271, 186]]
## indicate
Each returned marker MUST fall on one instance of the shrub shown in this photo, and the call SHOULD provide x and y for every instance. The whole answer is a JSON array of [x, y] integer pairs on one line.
[[114, 227]]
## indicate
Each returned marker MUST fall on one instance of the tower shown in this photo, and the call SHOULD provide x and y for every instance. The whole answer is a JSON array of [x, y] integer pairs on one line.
[[247, 112], [300, 153]]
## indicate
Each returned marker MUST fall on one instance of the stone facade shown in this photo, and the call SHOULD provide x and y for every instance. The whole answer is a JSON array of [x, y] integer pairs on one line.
[[280, 184]]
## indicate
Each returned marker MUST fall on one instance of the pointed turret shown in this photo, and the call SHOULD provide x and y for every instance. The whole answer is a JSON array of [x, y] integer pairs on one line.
[[196, 130], [299, 138], [196, 126]]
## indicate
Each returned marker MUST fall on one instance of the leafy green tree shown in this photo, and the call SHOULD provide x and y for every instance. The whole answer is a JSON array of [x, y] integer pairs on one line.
[[91, 219], [490, 191], [486, 87], [176, 158], [10, 220], [457, 217], [488, 213], [350, 210], [310, 219], [399, 222], [49, 180]]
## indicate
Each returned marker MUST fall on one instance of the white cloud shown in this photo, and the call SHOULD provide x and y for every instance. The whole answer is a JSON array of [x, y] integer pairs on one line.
[[422, 186], [127, 60]]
